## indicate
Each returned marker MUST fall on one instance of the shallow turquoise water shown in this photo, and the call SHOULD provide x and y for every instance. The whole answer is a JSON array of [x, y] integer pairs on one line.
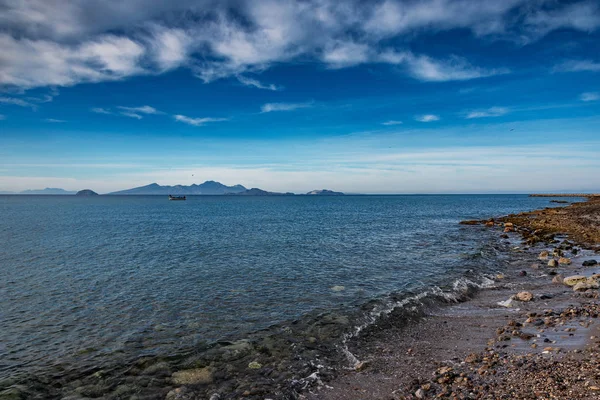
[[90, 280]]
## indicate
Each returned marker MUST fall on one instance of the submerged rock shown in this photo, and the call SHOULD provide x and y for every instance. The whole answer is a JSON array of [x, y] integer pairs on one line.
[[558, 279], [193, 376], [543, 255], [589, 263], [255, 365]]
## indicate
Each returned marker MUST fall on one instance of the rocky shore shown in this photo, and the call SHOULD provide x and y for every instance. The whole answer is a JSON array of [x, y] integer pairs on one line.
[[533, 336]]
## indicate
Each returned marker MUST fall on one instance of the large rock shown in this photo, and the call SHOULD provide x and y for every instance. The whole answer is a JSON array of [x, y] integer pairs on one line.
[[583, 286], [192, 376], [574, 280]]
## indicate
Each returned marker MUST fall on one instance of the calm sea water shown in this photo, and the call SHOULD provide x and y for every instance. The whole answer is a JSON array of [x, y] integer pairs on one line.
[[89, 280]]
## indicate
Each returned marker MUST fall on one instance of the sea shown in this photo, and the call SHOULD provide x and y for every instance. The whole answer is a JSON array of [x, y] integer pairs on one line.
[[102, 280]]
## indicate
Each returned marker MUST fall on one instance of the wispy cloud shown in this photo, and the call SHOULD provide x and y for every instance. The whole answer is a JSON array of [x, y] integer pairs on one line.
[[427, 118], [100, 110], [197, 121], [140, 110], [589, 96], [16, 102], [391, 122], [578, 66], [131, 114], [270, 107], [56, 121], [244, 80], [490, 112], [454, 69]]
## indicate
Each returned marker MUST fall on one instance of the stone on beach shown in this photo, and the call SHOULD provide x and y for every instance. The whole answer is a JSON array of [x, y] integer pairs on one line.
[[559, 279], [574, 280], [564, 261], [588, 284], [524, 296], [590, 263], [552, 264], [506, 303], [543, 255]]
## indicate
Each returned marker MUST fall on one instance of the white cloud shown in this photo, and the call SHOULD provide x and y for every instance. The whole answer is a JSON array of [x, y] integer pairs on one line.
[[345, 54], [454, 69], [62, 43], [142, 110], [270, 107], [583, 16], [578, 66], [100, 110], [52, 120], [391, 122], [427, 118], [197, 121], [131, 112], [16, 102], [131, 115], [244, 80], [490, 112], [590, 96]]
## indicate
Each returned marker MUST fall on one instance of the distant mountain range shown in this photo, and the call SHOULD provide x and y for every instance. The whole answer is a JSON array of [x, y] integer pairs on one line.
[[206, 188], [42, 191]]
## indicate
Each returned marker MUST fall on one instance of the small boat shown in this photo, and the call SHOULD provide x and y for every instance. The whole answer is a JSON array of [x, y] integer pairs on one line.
[[176, 197]]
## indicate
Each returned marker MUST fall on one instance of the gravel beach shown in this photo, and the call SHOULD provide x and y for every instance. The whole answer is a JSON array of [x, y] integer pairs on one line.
[[530, 337]]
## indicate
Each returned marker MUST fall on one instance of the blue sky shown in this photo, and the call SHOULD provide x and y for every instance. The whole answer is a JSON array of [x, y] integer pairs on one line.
[[435, 96]]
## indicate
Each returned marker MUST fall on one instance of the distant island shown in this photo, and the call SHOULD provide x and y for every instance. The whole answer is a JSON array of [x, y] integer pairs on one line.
[[324, 192], [211, 188], [260, 192], [48, 191], [207, 188], [86, 192]]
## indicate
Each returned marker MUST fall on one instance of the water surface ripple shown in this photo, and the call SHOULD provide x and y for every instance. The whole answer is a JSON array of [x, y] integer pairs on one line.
[[85, 281]]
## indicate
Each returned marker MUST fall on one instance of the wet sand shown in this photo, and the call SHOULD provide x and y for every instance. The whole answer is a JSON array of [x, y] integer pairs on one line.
[[546, 348]]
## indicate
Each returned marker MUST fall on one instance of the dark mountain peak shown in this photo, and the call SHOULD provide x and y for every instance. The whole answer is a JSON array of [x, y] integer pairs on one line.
[[206, 188]]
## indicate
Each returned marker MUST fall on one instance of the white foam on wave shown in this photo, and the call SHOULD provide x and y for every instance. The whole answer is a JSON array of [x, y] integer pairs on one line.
[[460, 288]]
